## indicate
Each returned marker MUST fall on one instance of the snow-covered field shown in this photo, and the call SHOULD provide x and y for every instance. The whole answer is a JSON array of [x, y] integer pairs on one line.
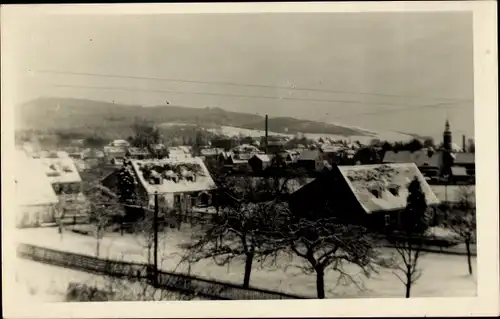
[[443, 275], [364, 139], [38, 282]]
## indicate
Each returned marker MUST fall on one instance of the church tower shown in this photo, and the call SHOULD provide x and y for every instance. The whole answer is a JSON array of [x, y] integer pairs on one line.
[[447, 137]]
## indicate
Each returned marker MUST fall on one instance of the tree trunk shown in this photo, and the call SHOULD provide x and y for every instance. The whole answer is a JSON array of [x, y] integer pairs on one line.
[[320, 282], [248, 269], [98, 241], [97, 247], [467, 245], [408, 284]]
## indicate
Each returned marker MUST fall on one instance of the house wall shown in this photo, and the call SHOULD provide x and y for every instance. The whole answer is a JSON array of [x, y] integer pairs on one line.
[[34, 216], [307, 164]]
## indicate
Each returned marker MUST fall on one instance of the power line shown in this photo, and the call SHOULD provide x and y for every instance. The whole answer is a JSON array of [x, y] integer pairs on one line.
[[443, 104], [243, 85], [117, 88]]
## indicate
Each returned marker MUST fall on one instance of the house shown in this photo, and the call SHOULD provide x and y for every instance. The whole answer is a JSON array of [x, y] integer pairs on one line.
[[211, 153], [311, 160], [91, 157], [35, 198], [374, 196], [137, 153], [66, 181], [238, 162], [92, 153], [179, 153], [260, 162], [453, 194], [115, 154], [466, 160], [429, 162], [120, 143], [181, 184]]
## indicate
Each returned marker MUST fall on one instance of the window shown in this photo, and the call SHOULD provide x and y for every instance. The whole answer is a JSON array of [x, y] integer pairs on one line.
[[375, 193], [394, 191], [387, 219]]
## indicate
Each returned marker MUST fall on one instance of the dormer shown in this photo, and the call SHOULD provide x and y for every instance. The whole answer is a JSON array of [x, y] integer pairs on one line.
[[375, 192]]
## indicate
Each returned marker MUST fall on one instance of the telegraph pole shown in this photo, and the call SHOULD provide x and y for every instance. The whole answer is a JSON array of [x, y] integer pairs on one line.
[[155, 243]]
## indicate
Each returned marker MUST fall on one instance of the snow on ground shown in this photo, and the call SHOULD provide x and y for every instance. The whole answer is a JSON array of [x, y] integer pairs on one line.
[[443, 275], [38, 282], [364, 139]]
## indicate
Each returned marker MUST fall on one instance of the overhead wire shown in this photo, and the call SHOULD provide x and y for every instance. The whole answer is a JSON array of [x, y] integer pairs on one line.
[[290, 88]]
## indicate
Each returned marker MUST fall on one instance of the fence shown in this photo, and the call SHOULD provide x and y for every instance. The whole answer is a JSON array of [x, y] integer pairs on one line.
[[209, 289]]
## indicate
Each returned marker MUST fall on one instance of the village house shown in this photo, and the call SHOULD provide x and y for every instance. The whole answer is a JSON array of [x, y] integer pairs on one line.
[[179, 152], [371, 195], [260, 162], [115, 154], [137, 153], [467, 161], [35, 198], [92, 157], [181, 184], [429, 162], [120, 143], [311, 160], [211, 153], [238, 162], [66, 182]]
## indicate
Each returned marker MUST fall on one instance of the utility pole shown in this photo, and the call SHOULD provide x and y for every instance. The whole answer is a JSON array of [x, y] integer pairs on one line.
[[155, 243], [267, 134]]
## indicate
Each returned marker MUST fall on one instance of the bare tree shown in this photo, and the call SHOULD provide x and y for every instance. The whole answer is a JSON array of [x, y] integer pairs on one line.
[[463, 219], [409, 237], [244, 205], [104, 210], [324, 243]]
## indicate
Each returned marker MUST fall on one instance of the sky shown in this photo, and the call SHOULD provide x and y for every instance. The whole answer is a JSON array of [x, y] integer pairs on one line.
[[379, 68]]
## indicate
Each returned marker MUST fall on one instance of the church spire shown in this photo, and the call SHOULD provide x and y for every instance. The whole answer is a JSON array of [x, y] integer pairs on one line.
[[447, 126]]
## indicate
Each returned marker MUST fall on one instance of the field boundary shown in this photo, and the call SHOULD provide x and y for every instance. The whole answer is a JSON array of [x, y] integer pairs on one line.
[[209, 289]]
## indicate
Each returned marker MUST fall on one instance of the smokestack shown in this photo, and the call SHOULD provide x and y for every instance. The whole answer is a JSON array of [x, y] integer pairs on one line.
[[464, 146], [266, 143]]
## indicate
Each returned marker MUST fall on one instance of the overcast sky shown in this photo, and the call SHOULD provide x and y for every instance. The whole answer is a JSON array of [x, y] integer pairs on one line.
[[424, 58]]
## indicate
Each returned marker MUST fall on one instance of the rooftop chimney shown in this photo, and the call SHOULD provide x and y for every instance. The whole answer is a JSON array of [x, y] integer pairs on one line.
[[464, 146]]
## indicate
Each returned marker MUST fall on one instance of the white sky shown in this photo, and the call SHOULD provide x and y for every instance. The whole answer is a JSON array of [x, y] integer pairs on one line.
[[423, 55]]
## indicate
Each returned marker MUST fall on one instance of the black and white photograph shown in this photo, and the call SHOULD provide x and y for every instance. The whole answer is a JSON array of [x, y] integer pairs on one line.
[[247, 156]]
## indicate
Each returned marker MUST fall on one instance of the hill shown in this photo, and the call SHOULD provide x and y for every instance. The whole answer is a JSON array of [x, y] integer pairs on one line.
[[52, 113]]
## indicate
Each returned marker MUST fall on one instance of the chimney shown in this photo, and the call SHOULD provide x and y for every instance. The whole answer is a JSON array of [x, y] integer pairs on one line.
[[266, 143], [464, 146]]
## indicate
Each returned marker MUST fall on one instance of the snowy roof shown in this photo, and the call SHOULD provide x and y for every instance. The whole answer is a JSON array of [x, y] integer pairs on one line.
[[137, 151], [32, 184], [364, 180], [119, 143], [175, 175], [458, 171], [420, 158], [263, 157], [118, 151], [60, 169], [211, 151], [309, 155], [245, 148], [92, 153], [330, 148], [465, 158]]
